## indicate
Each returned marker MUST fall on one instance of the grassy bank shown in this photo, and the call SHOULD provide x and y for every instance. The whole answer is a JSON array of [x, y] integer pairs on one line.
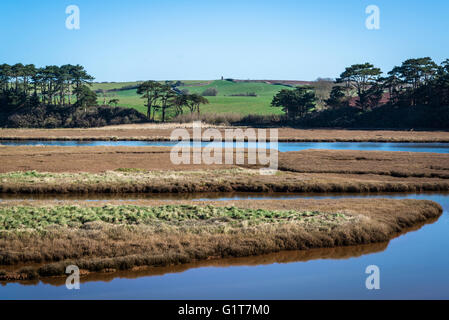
[[121, 236]]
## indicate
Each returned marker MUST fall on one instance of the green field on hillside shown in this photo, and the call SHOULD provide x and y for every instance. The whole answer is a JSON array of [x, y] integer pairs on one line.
[[222, 103], [112, 85], [118, 85]]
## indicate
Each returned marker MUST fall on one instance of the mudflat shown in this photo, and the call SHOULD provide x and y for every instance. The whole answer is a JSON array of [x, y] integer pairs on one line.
[[100, 158]]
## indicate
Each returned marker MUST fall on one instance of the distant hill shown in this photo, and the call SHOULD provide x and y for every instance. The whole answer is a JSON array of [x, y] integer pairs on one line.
[[232, 96], [284, 82]]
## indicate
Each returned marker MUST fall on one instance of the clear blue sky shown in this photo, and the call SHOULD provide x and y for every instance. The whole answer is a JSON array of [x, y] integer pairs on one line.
[[195, 39]]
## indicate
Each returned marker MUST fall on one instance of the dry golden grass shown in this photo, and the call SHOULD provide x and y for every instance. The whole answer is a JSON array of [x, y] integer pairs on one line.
[[220, 180], [101, 246]]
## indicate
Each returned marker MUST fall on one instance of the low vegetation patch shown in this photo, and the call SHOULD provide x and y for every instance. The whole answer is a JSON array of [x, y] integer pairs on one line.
[[39, 218]]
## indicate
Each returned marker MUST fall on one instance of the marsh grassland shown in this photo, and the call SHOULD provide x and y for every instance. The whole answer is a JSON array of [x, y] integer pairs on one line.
[[42, 238]]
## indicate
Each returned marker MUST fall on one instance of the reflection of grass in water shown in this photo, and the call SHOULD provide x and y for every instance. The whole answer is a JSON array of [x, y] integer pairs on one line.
[[282, 257]]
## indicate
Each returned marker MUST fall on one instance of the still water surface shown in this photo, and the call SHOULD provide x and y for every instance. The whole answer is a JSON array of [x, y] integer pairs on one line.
[[413, 265], [282, 146]]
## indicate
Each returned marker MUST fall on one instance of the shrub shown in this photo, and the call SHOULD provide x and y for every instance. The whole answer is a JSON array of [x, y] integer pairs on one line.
[[71, 117], [210, 92], [52, 122], [387, 116]]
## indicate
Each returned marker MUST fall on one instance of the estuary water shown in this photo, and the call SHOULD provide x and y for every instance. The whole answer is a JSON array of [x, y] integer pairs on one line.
[[282, 146]]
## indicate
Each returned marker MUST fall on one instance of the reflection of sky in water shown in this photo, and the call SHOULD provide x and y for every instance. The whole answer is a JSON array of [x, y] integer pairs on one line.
[[282, 146], [414, 265]]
